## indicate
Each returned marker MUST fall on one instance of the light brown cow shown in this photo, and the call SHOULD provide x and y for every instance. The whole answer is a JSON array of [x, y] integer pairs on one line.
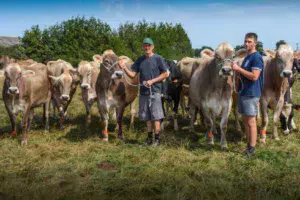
[[25, 88], [113, 89], [64, 79], [88, 73], [211, 89], [186, 66], [277, 72]]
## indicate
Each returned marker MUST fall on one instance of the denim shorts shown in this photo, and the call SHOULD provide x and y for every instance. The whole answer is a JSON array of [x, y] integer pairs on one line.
[[248, 106], [153, 111]]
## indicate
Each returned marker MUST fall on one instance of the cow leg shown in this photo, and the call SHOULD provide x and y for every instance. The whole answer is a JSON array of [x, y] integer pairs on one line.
[[24, 125], [162, 121], [276, 118], [30, 117], [12, 120], [175, 112], [88, 114], [119, 121], [103, 111], [210, 126], [46, 115], [54, 109], [62, 117], [223, 124], [182, 104], [192, 112], [132, 115], [265, 120]]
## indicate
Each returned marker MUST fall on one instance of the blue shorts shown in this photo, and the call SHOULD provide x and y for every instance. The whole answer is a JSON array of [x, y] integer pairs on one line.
[[248, 106]]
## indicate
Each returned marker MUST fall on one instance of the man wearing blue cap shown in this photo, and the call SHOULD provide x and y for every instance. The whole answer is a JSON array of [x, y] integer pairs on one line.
[[153, 71]]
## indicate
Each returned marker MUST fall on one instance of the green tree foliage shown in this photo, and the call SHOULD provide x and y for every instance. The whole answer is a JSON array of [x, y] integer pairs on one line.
[[197, 52], [80, 38], [260, 47], [280, 42], [15, 51], [238, 47]]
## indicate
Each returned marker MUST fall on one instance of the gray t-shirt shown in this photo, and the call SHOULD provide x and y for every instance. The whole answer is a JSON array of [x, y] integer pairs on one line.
[[150, 68]]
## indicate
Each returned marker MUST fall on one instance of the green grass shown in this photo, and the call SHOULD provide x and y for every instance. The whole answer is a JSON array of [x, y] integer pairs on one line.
[[76, 164]]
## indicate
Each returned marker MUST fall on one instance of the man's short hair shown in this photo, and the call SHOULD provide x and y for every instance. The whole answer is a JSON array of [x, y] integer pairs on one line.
[[251, 35]]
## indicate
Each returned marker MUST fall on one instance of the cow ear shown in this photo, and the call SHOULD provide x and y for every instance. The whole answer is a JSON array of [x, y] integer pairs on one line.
[[1, 74], [54, 80], [207, 53], [97, 58], [28, 73], [241, 53], [75, 75]]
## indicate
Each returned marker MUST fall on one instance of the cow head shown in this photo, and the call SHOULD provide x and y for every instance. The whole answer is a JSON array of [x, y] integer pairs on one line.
[[109, 63], [65, 82], [296, 65], [14, 77], [224, 58], [85, 70], [285, 59]]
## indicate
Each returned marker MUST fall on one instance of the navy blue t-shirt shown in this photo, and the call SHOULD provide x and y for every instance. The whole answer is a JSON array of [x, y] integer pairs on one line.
[[248, 87], [150, 68]]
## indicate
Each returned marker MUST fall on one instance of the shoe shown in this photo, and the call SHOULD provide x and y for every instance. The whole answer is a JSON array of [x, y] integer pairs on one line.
[[249, 151], [149, 141], [156, 143]]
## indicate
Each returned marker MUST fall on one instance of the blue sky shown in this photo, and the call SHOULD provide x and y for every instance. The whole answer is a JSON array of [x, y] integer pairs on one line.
[[206, 22]]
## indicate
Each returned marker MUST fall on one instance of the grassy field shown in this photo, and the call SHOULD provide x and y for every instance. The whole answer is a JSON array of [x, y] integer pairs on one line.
[[76, 164]]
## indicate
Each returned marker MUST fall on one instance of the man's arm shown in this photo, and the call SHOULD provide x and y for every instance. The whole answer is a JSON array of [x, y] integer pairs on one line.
[[161, 77], [129, 72], [253, 75]]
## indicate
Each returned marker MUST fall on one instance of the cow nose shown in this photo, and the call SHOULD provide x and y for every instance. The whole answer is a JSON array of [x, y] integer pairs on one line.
[[84, 86], [226, 70], [287, 74], [65, 97], [13, 90]]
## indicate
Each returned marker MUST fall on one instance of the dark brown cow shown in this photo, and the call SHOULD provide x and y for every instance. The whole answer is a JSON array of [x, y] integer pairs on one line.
[[277, 72], [113, 90], [64, 79], [211, 89], [25, 88]]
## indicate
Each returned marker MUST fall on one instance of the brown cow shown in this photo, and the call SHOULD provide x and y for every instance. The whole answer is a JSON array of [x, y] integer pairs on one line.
[[25, 88], [277, 72], [113, 89], [88, 73], [64, 80], [4, 61], [211, 89]]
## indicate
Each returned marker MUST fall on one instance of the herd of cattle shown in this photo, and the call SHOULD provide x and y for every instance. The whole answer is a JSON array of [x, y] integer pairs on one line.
[[208, 81]]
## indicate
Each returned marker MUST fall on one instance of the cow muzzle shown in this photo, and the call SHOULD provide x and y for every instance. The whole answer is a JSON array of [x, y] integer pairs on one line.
[[13, 90], [117, 75], [226, 71], [286, 73], [85, 86], [65, 97]]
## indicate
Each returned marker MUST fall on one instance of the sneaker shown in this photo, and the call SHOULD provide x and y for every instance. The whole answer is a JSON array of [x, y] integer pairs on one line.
[[249, 152], [149, 141], [156, 143]]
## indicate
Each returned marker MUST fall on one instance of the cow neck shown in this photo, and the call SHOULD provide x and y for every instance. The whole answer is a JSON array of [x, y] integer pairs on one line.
[[21, 86]]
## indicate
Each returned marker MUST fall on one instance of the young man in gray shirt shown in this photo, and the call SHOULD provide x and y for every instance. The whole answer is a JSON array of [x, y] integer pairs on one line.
[[153, 71]]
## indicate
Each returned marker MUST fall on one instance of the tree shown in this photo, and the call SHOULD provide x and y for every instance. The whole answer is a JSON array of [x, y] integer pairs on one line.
[[260, 47], [280, 42], [238, 47]]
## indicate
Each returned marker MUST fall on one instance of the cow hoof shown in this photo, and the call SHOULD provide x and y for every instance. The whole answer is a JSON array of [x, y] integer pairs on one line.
[[224, 146], [263, 140], [195, 123], [24, 142], [131, 127], [286, 132], [176, 129], [121, 138], [46, 131], [276, 138], [105, 139]]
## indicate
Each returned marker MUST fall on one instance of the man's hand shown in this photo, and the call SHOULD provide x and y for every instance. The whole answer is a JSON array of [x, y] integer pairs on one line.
[[148, 83], [122, 64], [235, 66]]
